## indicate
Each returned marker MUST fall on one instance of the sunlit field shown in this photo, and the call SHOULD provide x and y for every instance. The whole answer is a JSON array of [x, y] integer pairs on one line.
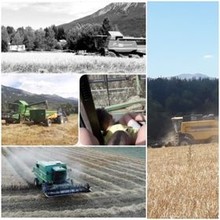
[[31, 134], [57, 62], [183, 182]]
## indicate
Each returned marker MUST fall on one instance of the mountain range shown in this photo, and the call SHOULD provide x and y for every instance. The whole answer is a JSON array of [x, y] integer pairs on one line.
[[10, 94], [192, 76], [128, 18]]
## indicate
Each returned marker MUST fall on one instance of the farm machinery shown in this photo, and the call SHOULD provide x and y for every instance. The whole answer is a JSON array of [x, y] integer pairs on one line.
[[115, 44], [194, 129], [52, 177], [20, 110]]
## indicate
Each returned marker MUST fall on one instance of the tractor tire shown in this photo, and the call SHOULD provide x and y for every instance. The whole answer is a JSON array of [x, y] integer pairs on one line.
[[36, 182], [60, 120], [185, 141], [112, 54], [48, 122]]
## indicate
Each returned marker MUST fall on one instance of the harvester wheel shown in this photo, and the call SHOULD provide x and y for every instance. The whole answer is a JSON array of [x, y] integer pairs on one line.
[[48, 122], [111, 54], [36, 182], [60, 120], [185, 141]]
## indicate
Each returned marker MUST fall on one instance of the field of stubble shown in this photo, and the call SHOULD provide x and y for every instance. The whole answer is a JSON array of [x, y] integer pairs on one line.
[[117, 183], [38, 134]]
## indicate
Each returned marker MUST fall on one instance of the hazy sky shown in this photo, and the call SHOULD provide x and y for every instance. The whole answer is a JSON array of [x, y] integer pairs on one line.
[[64, 85], [182, 38], [38, 13]]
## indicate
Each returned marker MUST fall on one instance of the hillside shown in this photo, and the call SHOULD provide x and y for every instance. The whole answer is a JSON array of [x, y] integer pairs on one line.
[[193, 76], [128, 18], [10, 94]]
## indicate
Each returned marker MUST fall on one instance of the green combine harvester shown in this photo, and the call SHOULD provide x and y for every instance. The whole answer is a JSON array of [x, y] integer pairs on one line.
[[20, 110], [53, 179]]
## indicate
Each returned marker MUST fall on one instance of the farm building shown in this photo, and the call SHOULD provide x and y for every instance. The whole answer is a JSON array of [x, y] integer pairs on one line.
[[17, 48]]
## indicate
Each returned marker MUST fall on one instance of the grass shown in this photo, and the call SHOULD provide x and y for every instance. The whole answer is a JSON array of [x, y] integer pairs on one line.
[[183, 182], [68, 62], [57, 134]]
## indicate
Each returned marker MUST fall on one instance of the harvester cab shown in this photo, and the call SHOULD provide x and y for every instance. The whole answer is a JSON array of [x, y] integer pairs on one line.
[[88, 114], [52, 177], [177, 123]]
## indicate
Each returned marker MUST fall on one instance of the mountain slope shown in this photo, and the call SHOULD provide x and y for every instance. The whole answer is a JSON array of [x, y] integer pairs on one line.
[[128, 18], [10, 94]]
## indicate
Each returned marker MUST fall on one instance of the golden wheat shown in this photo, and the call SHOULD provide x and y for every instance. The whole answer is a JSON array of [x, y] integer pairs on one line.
[[68, 62], [57, 134], [183, 182]]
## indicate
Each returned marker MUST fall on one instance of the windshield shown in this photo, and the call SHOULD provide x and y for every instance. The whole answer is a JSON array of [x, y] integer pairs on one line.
[[177, 125], [59, 176]]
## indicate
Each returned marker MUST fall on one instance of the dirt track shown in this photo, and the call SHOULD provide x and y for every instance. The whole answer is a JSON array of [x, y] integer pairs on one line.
[[118, 184]]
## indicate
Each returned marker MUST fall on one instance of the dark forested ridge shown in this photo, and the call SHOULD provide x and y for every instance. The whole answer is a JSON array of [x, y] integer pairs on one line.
[[177, 97]]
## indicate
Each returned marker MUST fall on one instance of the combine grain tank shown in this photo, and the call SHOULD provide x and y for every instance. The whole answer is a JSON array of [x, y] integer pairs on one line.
[[53, 179]]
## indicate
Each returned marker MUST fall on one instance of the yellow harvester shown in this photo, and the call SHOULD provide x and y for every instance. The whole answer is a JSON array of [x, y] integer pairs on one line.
[[195, 129]]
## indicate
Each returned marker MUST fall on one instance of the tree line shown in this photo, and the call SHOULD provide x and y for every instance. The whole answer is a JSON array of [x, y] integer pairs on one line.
[[79, 37], [175, 97]]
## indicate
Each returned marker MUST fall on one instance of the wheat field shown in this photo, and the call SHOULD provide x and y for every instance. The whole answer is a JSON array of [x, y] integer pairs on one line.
[[38, 134], [183, 182], [117, 183], [68, 62]]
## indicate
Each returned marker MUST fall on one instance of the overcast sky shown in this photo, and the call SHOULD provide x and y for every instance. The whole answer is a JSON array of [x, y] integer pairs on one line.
[[41, 14], [64, 85]]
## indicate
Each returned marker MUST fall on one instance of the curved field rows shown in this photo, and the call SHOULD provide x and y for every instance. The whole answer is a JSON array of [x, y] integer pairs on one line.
[[117, 184], [10, 178]]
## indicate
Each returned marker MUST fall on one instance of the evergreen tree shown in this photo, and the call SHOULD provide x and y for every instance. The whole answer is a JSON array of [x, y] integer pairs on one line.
[[106, 26], [50, 41], [39, 42], [18, 39], [11, 32], [5, 39], [29, 38]]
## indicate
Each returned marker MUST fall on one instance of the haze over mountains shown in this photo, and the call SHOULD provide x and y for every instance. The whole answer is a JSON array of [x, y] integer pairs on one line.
[[10, 94], [192, 76], [187, 76], [128, 18]]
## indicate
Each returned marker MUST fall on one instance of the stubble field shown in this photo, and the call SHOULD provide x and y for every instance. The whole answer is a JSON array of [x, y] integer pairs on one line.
[[38, 134], [117, 183], [183, 182], [68, 62]]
